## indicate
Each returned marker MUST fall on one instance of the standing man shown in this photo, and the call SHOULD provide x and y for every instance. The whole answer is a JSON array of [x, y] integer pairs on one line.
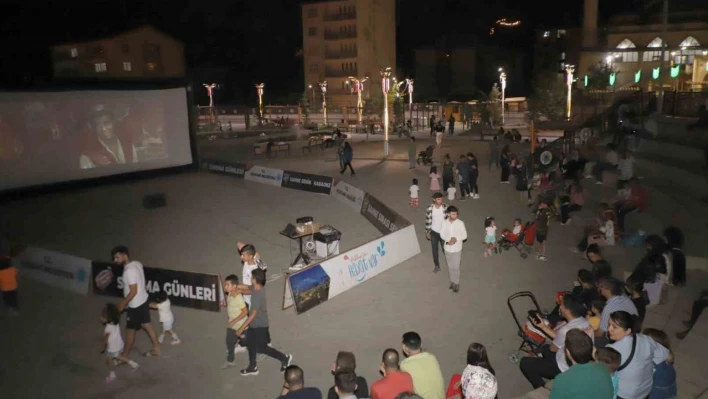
[[411, 153], [432, 125], [136, 302], [435, 215], [451, 125], [394, 381], [494, 153], [257, 324], [453, 233]]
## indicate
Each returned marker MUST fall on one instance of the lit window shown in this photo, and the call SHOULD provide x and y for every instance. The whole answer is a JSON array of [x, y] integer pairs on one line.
[[312, 31], [547, 33], [686, 56], [127, 66], [654, 55], [689, 42], [100, 67], [74, 52], [628, 56]]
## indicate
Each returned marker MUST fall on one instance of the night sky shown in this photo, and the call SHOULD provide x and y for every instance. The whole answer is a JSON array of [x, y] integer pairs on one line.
[[254, 40]]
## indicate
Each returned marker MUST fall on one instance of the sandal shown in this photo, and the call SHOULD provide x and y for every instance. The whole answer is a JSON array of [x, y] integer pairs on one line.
[[151, 354]]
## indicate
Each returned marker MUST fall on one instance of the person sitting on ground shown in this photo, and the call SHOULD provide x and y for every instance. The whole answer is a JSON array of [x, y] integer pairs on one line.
[[674, 241], [347, 361], [612, 360], [610, 163], [584, 379], [639, 298], [478, 378], [423, 368], [696, 310], [600, 267], [294, 386], [601, 232], [552, 362], [585, 290], [637, 200], [664, 384], [394, 381], [573, 203], [595, 313], [613, 291], [345, 384]]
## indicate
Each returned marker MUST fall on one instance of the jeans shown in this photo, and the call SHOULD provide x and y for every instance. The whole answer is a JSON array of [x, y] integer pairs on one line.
[[257, 342], [493, 160], [473, 188], [411, 162], [451, 130], [464, 188], [344, 168], [231, 340], [535, 369], [453, 265], [448, 181], [436, 242], [505, 171], [566, 209]]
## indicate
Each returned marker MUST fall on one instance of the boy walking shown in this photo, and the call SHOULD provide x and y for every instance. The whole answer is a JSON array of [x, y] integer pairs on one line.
[[237, 313], [258, 324]]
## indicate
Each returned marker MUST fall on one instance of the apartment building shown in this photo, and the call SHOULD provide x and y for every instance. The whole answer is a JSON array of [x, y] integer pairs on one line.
[[141, 53], [347, 38]]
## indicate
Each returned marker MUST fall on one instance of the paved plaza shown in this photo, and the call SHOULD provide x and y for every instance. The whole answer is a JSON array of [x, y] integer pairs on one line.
[[56, 340]]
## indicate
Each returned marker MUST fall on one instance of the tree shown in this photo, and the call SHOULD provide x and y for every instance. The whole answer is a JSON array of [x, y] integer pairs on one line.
[[599, 75], [495, 105], [549, 95], [305, 105]]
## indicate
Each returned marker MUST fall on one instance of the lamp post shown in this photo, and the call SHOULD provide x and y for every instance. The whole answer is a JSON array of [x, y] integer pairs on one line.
[[313, 92], [359, 88], [502, 79], [210, 92], [385, 87], [259, 90], [409, 86], [323, 87], [569, 69]]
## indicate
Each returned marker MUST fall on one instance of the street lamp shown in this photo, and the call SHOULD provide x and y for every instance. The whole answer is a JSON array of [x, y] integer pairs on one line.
[[409, 86], [259, 90], [313, 92], [323, 87], [569, 69], [385, 87], [359, 88], [210, 92], [502, 78]]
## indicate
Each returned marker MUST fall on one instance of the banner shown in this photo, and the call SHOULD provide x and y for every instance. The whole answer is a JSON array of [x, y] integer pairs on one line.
[[55, 269], [382, 217], [186, 289], [262, 174], [307, 182], [348, 194], [319, 283], [227, 168]]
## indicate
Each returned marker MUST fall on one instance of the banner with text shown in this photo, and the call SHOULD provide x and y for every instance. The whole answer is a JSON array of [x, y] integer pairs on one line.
[[319, 283], [262, 174], [236, 169], [186, 289], [348, 194], [307, 182], [56, 269], [382, 217]]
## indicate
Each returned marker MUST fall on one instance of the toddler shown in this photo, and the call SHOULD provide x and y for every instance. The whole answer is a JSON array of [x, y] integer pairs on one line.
[[490, 238], [167, 319], [664, 373], [612, 359], [112, 341], [237, 313], [517, 226], [595, 312], [451, 190], [434, 179], [8, 284], [413, 190]]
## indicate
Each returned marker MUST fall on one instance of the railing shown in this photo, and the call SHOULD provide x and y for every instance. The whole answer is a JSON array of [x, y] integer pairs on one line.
[[339, 17], [336, 73], [335, 55], [338, 35]]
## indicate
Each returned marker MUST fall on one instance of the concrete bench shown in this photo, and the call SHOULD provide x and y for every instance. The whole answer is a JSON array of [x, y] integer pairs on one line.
[[259, 149], [317, 143]]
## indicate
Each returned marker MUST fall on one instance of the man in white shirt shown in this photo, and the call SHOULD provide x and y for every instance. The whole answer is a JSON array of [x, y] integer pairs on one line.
[[435, 215], [251, 261], [611, 162], [136, 302], [453, 233]]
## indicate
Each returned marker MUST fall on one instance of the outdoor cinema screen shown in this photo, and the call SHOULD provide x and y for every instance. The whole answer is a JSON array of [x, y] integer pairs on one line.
[[51, 137]]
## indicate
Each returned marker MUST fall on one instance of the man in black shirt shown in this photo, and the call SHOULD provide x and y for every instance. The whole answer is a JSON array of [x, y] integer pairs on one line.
[[347, 361], [293, 388]]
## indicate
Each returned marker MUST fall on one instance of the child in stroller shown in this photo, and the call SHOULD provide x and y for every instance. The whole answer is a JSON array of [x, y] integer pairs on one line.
[[520, 237], [426, 157]]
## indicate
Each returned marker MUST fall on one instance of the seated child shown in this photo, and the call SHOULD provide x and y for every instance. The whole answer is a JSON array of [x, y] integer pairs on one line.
[[513, 234], [595, 313], [612, 359], [664, 373]]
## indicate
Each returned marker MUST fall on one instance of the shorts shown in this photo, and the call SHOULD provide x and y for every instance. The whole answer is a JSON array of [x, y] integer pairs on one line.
[[541, 237], [167, 325], [138, 316], [113, 355], [414, 202], [490, 240]]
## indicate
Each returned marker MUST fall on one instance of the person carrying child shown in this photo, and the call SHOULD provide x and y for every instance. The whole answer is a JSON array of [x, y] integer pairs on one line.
[[237, 313], [112, 341], [167, 319], [8, 284], [490, 237], [413, 190]]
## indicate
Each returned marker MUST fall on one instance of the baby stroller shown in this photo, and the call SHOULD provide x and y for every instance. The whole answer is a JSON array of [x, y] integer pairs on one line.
[[426, 157], [523, 242], [531, 338]]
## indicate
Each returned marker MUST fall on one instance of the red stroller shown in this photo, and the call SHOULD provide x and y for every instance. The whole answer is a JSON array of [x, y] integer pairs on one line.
[[523, 242]]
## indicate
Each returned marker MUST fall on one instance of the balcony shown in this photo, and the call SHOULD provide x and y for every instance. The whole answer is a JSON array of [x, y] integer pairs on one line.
[[339, 35], [337, 55], [339, 17], [338, 73]]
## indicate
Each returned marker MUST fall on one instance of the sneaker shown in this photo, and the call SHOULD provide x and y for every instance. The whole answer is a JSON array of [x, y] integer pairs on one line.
[[542, 257], [456, 288], [249, 371], [110, 378], [286, 363], [240, 349], [437, 269], [161, 338], [176, 342], [476, 196], [598, 183], [228, 365]]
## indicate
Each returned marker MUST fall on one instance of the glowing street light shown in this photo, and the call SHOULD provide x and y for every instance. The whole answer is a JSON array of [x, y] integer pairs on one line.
[[259, 90], [385, 87], [359, 88], [409, 86], [323, 87], [569, 69], [502, 78], [313, 92], [210, 92]]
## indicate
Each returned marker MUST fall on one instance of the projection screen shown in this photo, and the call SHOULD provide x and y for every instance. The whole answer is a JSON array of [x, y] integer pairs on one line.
[[51, 137]]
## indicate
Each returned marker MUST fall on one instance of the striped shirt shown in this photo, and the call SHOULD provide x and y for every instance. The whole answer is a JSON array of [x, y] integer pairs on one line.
[[615, 304], [234, 306]]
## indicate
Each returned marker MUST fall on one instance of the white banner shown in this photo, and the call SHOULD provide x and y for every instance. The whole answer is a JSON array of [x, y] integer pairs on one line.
[[319, 283], [262, 174], [56, 269], [349, 195]]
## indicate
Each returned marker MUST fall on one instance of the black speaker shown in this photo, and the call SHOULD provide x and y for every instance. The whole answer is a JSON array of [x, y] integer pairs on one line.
[[153, 201]]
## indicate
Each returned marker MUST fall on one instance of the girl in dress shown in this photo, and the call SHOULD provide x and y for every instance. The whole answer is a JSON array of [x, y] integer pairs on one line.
[[434, 179], [490, 238]]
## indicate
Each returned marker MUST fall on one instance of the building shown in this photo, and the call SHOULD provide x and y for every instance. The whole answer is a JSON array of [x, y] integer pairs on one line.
[[555, 48], [141, 53], [348, 38], [632, 44]]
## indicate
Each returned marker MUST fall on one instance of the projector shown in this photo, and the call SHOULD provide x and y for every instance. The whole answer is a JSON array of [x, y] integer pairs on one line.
[[304, 220]]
